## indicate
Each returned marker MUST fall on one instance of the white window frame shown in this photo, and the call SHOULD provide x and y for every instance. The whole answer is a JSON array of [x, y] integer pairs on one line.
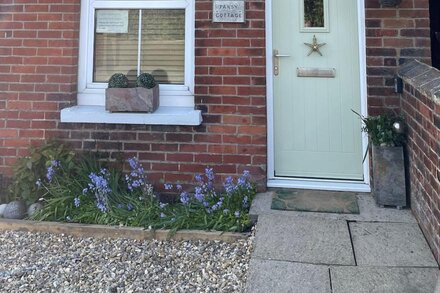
[[174, 99]]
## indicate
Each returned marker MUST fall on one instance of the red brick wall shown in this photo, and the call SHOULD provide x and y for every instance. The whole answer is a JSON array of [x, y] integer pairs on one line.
[[38, 73], [38, 68], [393, 35], [422, 115]]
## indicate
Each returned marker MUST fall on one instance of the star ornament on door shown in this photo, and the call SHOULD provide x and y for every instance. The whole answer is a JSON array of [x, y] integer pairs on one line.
[[314, 46]]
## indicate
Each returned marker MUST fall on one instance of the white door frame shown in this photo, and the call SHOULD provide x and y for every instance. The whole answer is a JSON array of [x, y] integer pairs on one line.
[[343, 185]]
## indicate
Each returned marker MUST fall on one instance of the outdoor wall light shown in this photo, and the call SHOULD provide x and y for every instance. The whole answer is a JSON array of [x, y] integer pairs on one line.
[[389, 3]]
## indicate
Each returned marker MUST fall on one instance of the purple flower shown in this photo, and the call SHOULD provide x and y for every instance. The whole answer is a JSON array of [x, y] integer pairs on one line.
[[198, 178], [130, 207], [184, 198], [101, 206], [162, 215], [134, 163], [229, 185], [168, 186], [237, 214], [162, 205], [100, 187], [179, 187], [76, 202], [198, 194], [51, 170], [209, 172], [136, 177]]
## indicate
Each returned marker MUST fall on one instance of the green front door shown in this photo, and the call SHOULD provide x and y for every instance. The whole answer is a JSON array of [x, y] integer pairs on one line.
[[316, 85]]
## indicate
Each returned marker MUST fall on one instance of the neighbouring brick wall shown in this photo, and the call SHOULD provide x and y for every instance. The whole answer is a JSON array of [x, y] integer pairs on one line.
[[421, 108], [38, 73], [393, 35]]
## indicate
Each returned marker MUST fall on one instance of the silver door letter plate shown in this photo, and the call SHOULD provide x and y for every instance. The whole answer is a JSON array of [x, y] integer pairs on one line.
[[228, 11], [316, 72]]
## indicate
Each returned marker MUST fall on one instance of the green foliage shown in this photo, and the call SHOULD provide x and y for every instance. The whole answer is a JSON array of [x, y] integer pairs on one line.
[[90, 192], [146, 80], [381, 129], [118, 80], [209, 209], [28, 170]]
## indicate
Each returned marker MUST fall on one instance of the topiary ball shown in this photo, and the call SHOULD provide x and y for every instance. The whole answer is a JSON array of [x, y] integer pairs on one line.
[[146, 80], [118, 80]]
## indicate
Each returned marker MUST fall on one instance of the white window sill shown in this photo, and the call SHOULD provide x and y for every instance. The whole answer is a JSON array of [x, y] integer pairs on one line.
[[162, 116]]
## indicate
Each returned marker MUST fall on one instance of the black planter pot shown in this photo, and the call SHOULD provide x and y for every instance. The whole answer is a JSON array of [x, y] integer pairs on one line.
[[389, 188], [389, 3]]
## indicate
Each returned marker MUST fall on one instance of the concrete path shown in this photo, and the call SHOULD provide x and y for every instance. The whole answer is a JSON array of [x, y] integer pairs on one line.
[[378, 250]]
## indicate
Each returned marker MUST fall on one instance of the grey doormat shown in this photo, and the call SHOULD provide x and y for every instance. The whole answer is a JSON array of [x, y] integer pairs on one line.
[[315, 201]]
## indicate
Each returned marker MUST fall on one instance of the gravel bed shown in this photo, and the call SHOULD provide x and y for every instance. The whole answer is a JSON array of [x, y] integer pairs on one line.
[[43, 262]]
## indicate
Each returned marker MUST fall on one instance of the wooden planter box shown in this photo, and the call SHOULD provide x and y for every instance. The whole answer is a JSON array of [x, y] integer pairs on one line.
[[138, 99], [389, 187]]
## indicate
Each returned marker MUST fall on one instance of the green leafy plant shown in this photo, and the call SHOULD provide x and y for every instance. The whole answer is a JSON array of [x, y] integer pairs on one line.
[[146, 80], [208, 208], [30, 169], [91, 192], [118, 80], [384, 129]]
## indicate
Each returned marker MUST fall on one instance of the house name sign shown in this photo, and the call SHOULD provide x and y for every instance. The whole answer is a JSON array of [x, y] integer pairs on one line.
[[228, 11]]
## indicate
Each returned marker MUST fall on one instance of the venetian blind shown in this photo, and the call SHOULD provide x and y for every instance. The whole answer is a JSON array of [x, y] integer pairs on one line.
[[161, 51]]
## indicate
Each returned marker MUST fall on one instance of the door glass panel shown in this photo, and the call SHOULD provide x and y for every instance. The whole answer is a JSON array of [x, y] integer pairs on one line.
[[314, 13]]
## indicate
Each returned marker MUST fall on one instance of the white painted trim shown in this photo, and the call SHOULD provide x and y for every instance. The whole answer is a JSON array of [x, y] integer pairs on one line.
[[363, 84], [361, 186], [162, 116], [90, 93], [334, 185]]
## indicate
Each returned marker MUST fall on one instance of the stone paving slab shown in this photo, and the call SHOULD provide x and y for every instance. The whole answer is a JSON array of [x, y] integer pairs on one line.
[[303, 240], [389, 280], [279, 276], [369, 211], [390, 244]]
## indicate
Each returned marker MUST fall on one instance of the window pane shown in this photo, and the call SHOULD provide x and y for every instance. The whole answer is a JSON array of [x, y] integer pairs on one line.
[[163, 44], [116, 43], [313, 13]]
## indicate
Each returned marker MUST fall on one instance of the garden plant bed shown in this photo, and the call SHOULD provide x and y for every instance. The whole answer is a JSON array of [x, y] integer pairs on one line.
[[66, 187], [103, 231]]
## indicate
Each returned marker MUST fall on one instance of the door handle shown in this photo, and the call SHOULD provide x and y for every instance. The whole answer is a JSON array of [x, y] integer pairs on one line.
[[276, 61]]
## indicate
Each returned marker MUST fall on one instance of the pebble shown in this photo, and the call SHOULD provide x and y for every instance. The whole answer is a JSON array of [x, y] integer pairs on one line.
[[44, 262]]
